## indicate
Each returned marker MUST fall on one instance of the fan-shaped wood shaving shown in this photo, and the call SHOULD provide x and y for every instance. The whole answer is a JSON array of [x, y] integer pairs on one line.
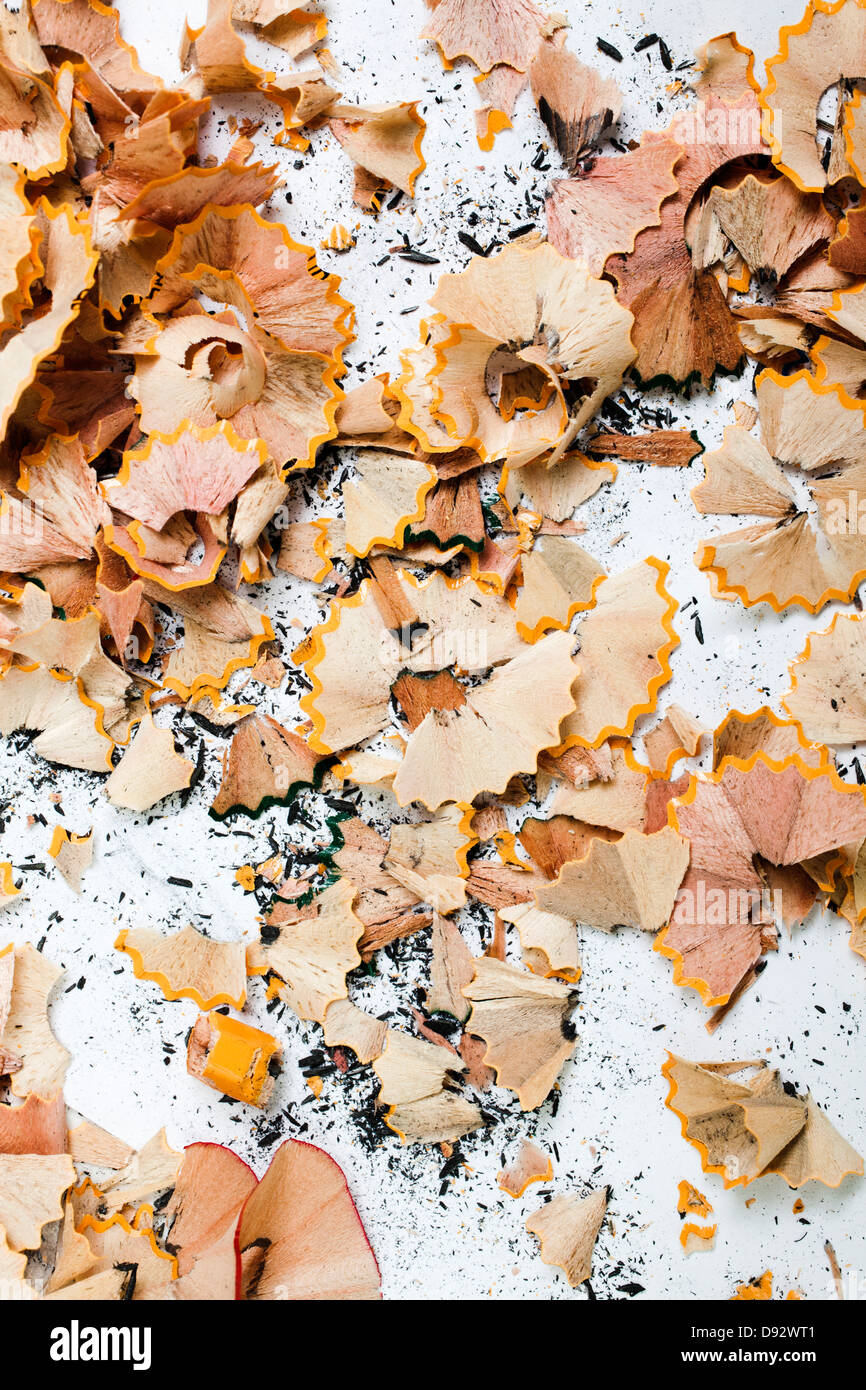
[[26, 1035], [313, 955], [188, 965], [787, 560], [489, 32], [523, 1019], [632, 881], [726, 69], [266, 766], [456, 754], [149, 770], [193, 470], [739, 736], [771, 224], [559, 580], [556, 492], [299, 1232], [387, 493], [785, 812], [31, 1186], [384, 142], [527, 295], [181, 197], [353, 660], [744, 1130], [683, 328]]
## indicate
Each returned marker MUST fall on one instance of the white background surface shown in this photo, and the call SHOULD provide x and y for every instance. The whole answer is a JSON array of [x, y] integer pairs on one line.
[[611, 1126]]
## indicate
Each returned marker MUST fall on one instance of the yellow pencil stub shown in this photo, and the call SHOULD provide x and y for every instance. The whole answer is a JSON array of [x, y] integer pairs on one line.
[[233, 1057]]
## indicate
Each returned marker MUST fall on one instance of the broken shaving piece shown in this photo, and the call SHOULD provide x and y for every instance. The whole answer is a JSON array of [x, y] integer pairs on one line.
[[26, 1037], [118, 1243], [233, 1057], [31, 1188], [548, 941], [677, 735], [202, 1216], [7, 886], [826, 695], [695, 1238], [691, 1202], [451, 967], [531, 1165], [429, 858], [149, 1172], [92, 1146], [149, 770], [664, 448], [567, 1227]]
